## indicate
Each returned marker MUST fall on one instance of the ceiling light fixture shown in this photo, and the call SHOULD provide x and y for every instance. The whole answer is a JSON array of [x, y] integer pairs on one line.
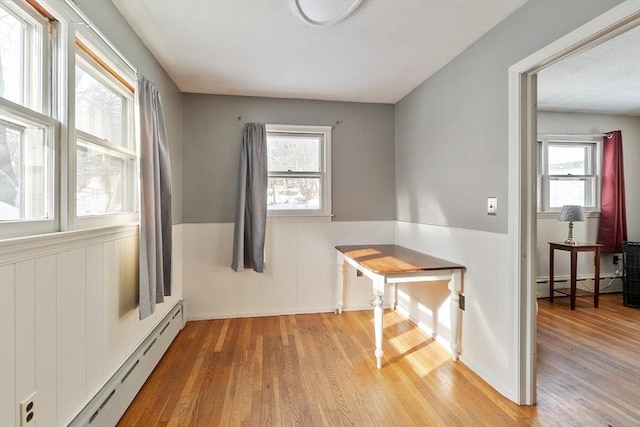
[[325, 12]]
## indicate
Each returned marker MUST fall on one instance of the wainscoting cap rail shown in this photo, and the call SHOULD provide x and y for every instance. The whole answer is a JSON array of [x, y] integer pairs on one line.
[[22, 248]]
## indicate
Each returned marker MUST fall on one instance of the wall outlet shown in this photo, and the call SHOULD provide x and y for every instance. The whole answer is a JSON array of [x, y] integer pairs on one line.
[[461, 302], [28, 411], [615, 259]]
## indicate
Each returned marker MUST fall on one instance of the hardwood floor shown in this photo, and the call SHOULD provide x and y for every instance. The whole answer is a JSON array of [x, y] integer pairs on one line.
[[589, 362], [319, 370]]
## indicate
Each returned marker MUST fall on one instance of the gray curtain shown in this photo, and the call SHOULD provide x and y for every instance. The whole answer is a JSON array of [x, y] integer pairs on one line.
[[251, 213], [155, 201]]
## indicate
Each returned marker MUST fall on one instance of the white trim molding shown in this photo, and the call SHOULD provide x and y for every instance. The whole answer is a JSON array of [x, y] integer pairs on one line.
[[325, 210], [23, 248]]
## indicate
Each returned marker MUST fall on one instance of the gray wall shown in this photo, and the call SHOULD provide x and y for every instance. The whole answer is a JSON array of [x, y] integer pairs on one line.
[[452, 131], [105, 16], [363, 180]]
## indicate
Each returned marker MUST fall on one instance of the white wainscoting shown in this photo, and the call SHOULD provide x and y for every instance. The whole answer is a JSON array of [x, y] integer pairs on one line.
[[485, 322], [300, 277], [69, 317], [300, 274]]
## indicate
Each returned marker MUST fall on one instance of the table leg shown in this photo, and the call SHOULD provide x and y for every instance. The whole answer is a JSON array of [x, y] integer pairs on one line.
[[551, 260], [340, 290], [395, 296], [596, 280], [378, 319], [455, 286], [574, 273]]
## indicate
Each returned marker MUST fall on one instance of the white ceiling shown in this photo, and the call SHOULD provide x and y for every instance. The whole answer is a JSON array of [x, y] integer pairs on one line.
[[262, 48], [604, 79], [378, 54]]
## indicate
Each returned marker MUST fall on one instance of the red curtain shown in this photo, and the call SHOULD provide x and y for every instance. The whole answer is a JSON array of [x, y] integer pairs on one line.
[[612, 229]]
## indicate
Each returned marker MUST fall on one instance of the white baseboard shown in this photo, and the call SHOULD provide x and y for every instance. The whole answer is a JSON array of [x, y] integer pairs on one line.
[[500, 388], [204, 316], [110, 403], [607, 285]]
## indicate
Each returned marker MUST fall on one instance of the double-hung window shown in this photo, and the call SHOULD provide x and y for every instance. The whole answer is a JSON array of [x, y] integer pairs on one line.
[[68, 156], [105, 143], [28, 131], [568, 173], [299, 163]]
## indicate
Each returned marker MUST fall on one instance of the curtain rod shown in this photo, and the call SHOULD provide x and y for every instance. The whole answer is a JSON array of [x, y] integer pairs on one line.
[[608, 134]]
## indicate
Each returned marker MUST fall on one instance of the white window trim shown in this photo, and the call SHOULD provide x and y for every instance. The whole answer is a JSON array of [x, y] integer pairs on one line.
[[37, 109], [315, 215], [545, 210], [36, 96], [107, 53], [57, 110], [23, 227]]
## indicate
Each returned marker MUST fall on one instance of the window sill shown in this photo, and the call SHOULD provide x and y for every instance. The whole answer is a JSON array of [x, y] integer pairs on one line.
[[298, 218], [21, 248]]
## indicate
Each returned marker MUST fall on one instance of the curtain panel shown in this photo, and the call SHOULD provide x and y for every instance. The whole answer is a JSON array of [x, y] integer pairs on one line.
[[251, 212], [612, 227], [155, 201]]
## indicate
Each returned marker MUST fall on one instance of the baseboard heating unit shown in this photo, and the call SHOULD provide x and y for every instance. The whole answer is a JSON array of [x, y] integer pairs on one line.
[[110, 403]]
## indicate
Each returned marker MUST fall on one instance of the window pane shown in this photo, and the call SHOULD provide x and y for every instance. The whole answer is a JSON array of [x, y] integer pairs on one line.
[[567, 192], [566, 160], [293, 193], [99, 110], [299, 153], [12, 57], [100, 181], [24, 171]]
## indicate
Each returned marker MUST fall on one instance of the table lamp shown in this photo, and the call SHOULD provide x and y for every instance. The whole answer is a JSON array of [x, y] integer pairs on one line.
[[571, 213]]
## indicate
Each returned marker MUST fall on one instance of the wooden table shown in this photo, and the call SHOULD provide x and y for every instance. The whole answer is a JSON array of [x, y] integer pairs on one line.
[[574, 249], [395, 264]]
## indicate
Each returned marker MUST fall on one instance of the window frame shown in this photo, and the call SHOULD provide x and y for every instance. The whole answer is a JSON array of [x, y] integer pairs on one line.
[[98, 65], [20, 227], [324, 213], [594, 164], [63, 24], [36, 91], [36, 107]]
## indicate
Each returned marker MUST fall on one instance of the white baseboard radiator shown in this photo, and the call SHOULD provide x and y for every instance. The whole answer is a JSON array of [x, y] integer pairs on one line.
[[110, 403]]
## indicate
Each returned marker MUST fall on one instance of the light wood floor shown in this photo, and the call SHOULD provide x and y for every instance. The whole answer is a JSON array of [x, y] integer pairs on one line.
[[318, 370]]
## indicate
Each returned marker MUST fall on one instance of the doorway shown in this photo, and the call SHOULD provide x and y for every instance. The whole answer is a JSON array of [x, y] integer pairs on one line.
[[523, 171]]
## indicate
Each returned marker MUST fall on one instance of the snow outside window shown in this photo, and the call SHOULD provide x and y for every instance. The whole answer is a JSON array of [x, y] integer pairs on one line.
[[299, 170]]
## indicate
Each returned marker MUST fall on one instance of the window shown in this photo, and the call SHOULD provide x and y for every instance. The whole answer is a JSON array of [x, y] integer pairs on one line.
[[67, 143], [24, 50], [299, 163], [568, 174], [28, 132], [105, 144], [26, 167]]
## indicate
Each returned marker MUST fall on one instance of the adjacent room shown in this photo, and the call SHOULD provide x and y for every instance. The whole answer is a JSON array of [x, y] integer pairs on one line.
[[319, 212]]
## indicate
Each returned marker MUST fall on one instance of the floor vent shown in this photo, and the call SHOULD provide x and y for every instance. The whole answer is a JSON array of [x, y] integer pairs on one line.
[[108, 405]]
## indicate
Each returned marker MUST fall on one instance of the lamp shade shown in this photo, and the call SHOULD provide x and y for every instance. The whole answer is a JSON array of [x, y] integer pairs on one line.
[[571, 213]]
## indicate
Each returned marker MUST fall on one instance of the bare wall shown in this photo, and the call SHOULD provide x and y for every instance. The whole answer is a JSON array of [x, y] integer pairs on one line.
[[363, 173], [452, 131]]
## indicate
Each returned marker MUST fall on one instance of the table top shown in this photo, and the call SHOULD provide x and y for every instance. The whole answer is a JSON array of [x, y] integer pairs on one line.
[[577, 245], [390, 259]]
